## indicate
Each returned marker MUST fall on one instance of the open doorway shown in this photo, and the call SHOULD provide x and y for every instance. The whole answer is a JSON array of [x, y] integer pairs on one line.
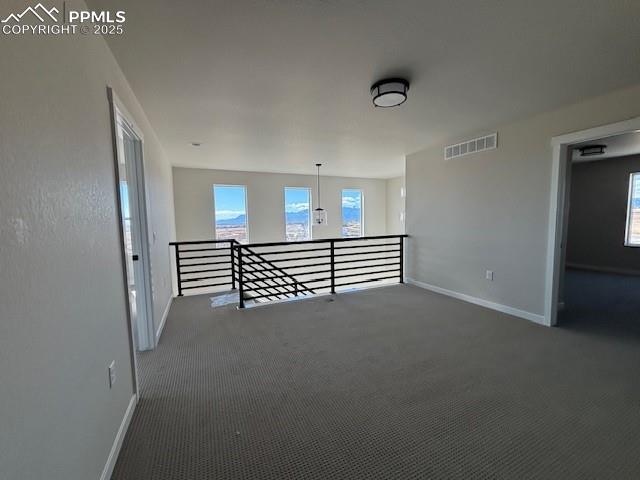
[[598, 277], [602, 257], [128, 146]]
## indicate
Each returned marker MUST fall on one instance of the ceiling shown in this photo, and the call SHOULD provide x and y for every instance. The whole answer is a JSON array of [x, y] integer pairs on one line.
[[278, 85], [617, 146]]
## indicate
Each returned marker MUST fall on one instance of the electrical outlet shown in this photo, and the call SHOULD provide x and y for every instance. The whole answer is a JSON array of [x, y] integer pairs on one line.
[[112, 374], [489, 275]]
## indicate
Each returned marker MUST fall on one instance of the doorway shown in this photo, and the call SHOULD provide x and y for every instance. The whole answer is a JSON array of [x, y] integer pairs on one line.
[[128, 145], [591, 261]]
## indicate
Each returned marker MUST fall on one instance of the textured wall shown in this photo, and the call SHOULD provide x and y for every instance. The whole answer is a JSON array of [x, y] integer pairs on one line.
[[62, 301]]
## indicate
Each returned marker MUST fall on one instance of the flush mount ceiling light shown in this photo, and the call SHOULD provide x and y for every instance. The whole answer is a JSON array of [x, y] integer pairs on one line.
[[389, 92], [590, 150]]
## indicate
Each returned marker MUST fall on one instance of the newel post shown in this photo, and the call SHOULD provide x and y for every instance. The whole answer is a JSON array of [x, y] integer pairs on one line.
[[240, 279], [177, 250]]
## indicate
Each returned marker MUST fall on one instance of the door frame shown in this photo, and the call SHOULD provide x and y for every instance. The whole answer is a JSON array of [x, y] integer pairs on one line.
[[558, 208], [118, 110]]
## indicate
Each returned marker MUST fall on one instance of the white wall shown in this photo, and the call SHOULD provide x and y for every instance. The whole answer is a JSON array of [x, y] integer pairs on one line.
[[62, 300], [395, 205], [193, 198], [490, 210]]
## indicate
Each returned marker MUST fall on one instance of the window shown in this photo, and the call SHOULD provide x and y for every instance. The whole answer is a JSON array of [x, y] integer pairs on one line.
[[230, 202], [633, 212], [297, 214], [352, 213]]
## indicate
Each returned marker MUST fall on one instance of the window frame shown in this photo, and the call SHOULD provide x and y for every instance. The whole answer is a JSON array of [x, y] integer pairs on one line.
[[284, 203], [361, 212], [246, 209], [628, 226]]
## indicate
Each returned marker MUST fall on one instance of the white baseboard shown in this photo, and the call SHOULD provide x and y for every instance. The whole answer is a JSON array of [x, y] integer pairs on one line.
[[595, 268], [533, 317], [117, 443], [164, 320]]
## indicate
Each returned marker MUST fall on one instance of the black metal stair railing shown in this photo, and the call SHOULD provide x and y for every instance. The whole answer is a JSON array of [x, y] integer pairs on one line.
[[267, 282], [266, 272], [273, 274], [204, 264], [280, 270]]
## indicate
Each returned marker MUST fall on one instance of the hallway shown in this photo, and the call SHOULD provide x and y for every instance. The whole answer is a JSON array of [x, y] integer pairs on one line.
[[393, 382]]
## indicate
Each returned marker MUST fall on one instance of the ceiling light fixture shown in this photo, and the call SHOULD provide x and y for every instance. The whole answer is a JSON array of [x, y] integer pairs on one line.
[[319, 214], [590, 150], [390, 92]]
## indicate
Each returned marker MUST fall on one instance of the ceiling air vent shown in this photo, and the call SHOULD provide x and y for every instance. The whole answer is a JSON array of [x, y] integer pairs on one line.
[[488, 142]]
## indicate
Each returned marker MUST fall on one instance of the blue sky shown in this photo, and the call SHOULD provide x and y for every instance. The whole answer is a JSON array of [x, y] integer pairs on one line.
[[351, 198], [229, 201], [296, 200]]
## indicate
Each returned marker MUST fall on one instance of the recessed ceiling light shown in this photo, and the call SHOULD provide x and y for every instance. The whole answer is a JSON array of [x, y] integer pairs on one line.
[[390, 92], [195, 144]]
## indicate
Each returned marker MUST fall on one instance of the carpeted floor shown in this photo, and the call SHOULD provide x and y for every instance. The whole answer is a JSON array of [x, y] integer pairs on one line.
[[601, 303], [389, 383]]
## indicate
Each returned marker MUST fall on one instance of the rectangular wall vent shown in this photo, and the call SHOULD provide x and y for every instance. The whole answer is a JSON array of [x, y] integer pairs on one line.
[[488, 142]]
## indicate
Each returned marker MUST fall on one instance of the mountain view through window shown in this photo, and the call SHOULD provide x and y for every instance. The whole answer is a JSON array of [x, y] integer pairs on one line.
[[297, 214], [351, 213], [230, 202]]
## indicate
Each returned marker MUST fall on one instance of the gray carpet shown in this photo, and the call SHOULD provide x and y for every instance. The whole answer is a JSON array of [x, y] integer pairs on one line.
[[602, 303], [388, 383]]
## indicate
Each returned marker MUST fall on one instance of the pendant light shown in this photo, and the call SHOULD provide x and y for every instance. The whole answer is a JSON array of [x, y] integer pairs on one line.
[[319, 214]]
